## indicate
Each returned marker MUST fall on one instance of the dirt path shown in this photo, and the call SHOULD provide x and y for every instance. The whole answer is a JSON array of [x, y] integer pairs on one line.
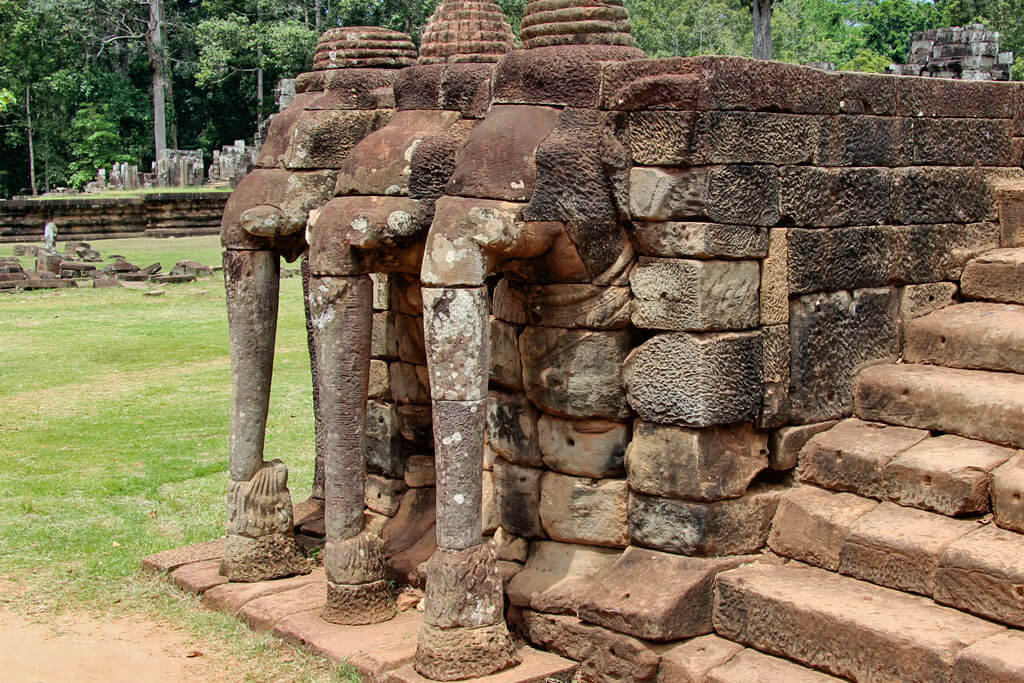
[[79, 648]]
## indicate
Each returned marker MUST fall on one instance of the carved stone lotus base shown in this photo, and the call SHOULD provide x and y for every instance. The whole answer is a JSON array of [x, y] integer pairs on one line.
[[458, 654], [273, 556], [354, 605]]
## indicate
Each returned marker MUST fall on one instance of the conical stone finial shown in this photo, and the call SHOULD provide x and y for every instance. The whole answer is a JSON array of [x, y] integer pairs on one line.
[[462, 31], [363, 47], [576, 22]]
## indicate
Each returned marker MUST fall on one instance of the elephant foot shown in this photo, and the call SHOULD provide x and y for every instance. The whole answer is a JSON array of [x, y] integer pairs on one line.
[[354, 605], [461, 653], [262, 558]]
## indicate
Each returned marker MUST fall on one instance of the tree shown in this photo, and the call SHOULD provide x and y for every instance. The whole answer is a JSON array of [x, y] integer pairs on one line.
[[7, 99], [95, 143], [762, 13], [889, 23], [677, 28]]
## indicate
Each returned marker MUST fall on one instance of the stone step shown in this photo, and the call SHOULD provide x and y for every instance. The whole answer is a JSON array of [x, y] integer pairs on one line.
[[973, 567], [843, 626], [711, 659], [997, 275], [947, 474], [975, 335], [976, 404]]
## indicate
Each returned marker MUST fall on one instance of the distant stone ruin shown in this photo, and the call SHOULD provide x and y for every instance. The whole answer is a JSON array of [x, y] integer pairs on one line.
[[970, 53], [656, 365]]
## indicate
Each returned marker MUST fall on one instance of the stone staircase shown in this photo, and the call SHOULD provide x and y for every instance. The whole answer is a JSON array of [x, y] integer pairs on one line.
[[903, 546]]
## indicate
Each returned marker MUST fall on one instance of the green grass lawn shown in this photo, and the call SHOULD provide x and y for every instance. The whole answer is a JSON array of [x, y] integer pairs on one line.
[[114, 434]]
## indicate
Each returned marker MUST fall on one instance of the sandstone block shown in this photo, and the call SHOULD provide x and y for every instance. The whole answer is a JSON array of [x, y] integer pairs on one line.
[[697, 464], [385, 450], [415, 425], [996, 276], [775, 279], [657, 194], [434, 160], [865, 141], [662, 138], [982, 572], [384, 342], [575, 373], [613, 656], [459, 458], [420, 472], [512, 428], [744, 194], [506, 367], [753, 665], [410, 537], [368, 603], [920, 300], [1008, 494], [811, 523], [829, 197], [692, 660], [700, 240], [455, 323], [949, 475], [975, 335], [852, 455], [383, 495], [410, 383], [517, 498], [380, 380], [776, 362], [323, 139], [509, 547], [864, 325], [829, 622], [696, 380], [899, 547], [556, 576], [355, 560], [461, 653], [575, 305], [786, 443], [585, 511], [940, 194], [489, 501], [655, 596], [679, 294], [409, 332], [998, 659], [736, 526], [463, 588], [509, 302], [460, 87], [962, 142], [585, 448]]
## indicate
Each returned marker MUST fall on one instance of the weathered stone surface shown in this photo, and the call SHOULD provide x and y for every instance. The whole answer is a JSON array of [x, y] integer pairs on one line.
[[692, 660], [982, 573], [420, 472], [355, 560], [735, 526], [264, 613], [463, 588], [776, 365], [920, 300], [938, 195], [988, 406], [655, 595], [978, 335], [353, 47], [998, 659], [996, 276], [586, 511], [415, 425], [384, 342], [948, 474], [410, 383], [461, 653], [1011, 221], [409, 331], [744, 194], [962, 142], [578, 305], [696, 380], [380, 381], [169, 560], [811, 523], [517, 498], [490, 520], [455, 324], [509, 547], [848, 258], [433, 160], [613, 656], [198, 577], [324, 139], [367, 603], [786, 443], [272, 206], [657, 194], [852, 456], [506, 366], [230, 597], [512, 428], [348, 89], [458, 450], [697, 464], [535, 666], [826, 197], [585, 448], [899, 547], [831, 623], [509, 302], [678, 294], [1008, 494], [831, 337], [575, 373], [865, 141], [383, 495], [753, 665], [701, 240], [410, 536], [458, 32], [271, 556], [775, 279], [556, 576], [498, 160], [464, 88]]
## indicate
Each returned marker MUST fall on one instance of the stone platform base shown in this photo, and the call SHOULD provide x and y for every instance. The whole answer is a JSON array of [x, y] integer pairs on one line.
[[291, 608]]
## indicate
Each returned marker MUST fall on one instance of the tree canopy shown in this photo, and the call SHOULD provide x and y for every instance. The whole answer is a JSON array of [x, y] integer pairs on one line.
[[78, 74]]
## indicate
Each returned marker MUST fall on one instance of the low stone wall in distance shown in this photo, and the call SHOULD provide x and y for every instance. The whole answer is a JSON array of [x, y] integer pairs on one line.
[[171, 214]]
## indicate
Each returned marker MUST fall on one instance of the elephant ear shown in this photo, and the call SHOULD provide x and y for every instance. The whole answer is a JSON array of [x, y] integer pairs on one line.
[[263, 221]]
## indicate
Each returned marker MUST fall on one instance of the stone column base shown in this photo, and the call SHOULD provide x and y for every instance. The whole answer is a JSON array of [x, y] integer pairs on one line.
[[273, 556], [457, 654], [354, 605]]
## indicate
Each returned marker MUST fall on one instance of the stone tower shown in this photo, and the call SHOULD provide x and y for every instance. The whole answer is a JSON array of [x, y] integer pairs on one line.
[[361, 47], [576, 22], [460, 31]]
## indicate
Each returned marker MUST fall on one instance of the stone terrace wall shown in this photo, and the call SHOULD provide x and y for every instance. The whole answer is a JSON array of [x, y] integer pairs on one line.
[[786, 222], [160, 215]]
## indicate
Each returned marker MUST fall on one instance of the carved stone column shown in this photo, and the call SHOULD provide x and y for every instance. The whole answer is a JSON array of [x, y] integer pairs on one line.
[[260, 539]]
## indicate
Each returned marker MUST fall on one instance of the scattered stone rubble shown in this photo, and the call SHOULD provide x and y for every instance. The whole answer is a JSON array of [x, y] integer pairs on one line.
[[657, 363], [967, 52]]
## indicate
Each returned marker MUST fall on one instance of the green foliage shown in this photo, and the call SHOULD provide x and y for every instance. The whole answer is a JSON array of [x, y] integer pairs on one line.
[[867, 61], [889, 23], [95, 143], [816, 31], [669, 28], [7, 99]]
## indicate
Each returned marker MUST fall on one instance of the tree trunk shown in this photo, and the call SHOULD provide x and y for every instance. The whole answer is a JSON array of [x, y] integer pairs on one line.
[[31, 147], [317, 12], [158, 67], [762, 10], [172, 120]]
